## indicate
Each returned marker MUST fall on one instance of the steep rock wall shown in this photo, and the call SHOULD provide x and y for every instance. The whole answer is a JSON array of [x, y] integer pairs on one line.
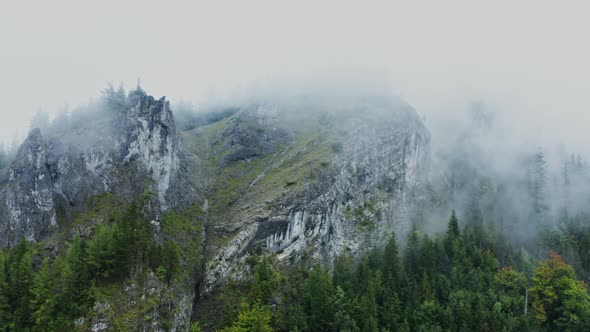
[[366, 167], [123, 152]]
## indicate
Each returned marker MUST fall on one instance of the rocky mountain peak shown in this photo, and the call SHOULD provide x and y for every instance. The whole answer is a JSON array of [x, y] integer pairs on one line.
[[289, 179], [97, 154], [152, 139], [29, 205]]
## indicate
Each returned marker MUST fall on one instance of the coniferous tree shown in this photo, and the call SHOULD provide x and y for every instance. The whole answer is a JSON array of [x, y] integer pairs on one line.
[[121, 247], [412, 253], [101, 253], [453, 227], [343, 320], [427, 257], [265, 281], [391, 266], [77, 279], [453, 242], [252, 318], [369, 304], [537, 186], [318, 289], [19, 285], [115, 100], [44, 302], [3, 156], [475, 218], [343, 272], [171, 258], [5, 312]]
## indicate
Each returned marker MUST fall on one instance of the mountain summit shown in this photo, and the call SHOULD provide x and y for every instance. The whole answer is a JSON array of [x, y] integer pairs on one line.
[[292, 178]]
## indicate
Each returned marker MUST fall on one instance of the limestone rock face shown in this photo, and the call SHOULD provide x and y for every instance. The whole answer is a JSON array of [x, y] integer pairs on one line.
[[152, 141], [123, 151], [30, 209], [326, 182], [293, 179]]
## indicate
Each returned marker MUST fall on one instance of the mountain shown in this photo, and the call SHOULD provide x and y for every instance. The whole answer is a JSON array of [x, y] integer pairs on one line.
[[292, 178], [112, 152], [295, 179]]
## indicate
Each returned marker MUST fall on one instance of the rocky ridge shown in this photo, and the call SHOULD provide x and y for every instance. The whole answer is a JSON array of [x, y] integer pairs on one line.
[[287, 179], [337, 181], [114, 153]]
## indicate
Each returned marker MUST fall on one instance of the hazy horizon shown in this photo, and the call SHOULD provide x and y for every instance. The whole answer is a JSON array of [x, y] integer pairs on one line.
[[527, 60]]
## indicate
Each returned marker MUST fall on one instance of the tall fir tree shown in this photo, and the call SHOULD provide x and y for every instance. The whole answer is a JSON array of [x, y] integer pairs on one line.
[[5, 312], [318, 289], [44, 302], [391, 266], [78, 280], [411, 253]]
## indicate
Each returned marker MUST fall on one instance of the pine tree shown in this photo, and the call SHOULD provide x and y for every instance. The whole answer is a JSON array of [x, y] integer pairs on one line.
[[411, 253], [252, 318], [62, 320], [342, 274], [121, 247], [318, 289], [475, 218], [3, 156], [115, 100], [453, 227], [391, 313], [101, 253], [137, 232], [44, 300], [266, 281], [77, 279], [20, 284], [131, 240], [369, 305], [391, 266], [427, 257], [537, 186], [343, 320], [5, 314], [453, 242]]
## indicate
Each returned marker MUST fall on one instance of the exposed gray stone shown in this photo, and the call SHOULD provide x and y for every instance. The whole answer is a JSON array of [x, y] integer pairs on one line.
[[56, 175], [352, 204]]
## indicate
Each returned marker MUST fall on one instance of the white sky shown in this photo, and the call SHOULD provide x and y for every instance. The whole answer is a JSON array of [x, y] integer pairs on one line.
[[531, 58]]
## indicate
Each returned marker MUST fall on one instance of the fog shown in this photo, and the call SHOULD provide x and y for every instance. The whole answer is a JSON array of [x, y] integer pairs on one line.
[[527, 59], [523, 65]]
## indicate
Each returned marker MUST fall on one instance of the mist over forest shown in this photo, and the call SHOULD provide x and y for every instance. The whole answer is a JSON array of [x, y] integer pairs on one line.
[[478, 163], [294, 166], [512, 205]]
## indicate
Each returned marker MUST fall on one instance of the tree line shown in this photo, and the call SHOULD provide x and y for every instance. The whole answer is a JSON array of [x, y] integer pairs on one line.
[[450, 282]]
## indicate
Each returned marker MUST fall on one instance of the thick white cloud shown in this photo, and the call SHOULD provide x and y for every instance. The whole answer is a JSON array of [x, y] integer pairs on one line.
[[528, 57]]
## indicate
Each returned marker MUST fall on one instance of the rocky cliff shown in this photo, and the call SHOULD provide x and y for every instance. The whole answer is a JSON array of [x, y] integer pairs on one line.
[[295, 179], [289, 178], [122, 151]]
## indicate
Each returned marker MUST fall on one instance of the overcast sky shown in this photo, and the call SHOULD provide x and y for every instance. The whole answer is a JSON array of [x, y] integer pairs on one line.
[[527, 58]]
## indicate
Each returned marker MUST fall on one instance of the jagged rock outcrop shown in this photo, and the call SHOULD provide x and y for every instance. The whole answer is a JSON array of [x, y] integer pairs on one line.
[[29, 204], [124, 150], [152, 140], [291, 179]]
